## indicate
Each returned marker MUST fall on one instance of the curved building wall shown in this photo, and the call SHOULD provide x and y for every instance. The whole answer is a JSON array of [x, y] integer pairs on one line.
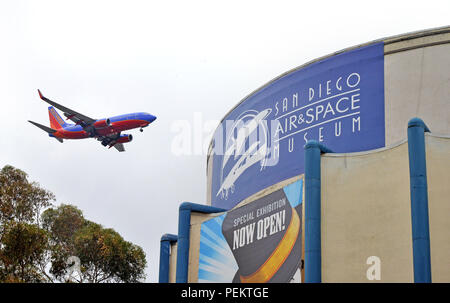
[[358, 102], [415, 71]]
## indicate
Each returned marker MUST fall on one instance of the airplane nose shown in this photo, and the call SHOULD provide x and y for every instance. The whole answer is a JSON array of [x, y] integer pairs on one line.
[[151, 118]]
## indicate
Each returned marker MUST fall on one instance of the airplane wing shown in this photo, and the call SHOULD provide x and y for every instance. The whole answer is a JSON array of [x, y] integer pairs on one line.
[[70, 114], [119, 147]]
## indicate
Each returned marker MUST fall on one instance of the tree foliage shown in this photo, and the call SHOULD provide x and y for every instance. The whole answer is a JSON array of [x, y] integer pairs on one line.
[[104, 255], [23, 246], [36, 245], [21, 200]]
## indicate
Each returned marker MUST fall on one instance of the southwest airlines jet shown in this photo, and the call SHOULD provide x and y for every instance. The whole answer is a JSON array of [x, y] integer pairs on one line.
[[107, 130]]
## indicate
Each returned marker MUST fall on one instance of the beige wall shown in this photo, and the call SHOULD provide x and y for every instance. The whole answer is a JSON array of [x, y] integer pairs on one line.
[[366, 212], [173, 263], [438, 173]]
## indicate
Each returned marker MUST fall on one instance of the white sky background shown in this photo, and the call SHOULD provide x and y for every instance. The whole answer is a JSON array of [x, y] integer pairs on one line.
[[168, 58]]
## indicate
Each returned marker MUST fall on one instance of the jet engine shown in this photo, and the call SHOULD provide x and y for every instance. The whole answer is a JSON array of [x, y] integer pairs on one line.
[[102, 123], [124, 138]]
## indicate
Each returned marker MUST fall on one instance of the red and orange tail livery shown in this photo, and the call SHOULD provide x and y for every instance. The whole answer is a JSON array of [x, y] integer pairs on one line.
[[56, 122]]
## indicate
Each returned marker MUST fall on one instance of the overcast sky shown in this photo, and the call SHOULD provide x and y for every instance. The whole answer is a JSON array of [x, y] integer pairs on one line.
[[169, 58]]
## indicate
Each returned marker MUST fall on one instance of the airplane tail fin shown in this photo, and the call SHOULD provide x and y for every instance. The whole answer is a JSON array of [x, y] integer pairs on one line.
[[56, 122], [49, 130]]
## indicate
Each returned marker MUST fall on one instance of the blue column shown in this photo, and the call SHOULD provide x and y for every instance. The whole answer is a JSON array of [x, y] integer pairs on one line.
[[184, 226], [164, 257], [313, 253], [419, 200]]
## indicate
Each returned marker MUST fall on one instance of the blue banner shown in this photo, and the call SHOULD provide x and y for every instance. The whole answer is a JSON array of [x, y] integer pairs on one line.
[[338, 101]]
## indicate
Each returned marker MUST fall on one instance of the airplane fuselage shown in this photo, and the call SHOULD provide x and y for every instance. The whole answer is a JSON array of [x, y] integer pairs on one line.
[[107, 130], [117, 125]]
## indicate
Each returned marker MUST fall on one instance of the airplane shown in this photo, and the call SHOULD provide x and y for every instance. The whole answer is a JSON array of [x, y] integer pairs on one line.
[[106, 130]]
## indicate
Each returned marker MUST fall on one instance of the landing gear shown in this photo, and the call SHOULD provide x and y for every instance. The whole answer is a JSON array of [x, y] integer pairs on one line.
[[141, 129]]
